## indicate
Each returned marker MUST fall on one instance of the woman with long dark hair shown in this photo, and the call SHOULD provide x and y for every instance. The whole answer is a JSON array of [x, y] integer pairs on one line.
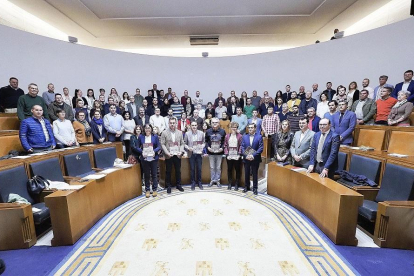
[[129, 126]]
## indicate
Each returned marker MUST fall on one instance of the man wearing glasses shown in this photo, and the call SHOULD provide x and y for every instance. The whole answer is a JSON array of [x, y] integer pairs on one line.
[[252, 148], [324, 151]]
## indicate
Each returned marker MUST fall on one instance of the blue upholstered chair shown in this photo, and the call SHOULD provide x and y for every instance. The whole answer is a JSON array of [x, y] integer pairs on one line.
[[397, 185], [105, 157], [78, 164], [361, 165], [49, 169], [14, 181]]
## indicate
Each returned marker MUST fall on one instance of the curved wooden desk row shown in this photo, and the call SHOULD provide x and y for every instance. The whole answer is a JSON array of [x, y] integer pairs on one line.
[[331, 206], [9, 140], [72, 213], [205, 172], [392, 139], [9, 121]]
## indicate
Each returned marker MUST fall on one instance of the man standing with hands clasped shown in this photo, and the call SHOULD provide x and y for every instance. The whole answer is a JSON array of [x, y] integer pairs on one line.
[[172, 144], [252, 148], [324, 151]]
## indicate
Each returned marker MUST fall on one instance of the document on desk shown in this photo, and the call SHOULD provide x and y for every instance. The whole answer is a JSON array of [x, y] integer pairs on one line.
[[298, 169], [94, 176], [109, 170], [123, 166], [21, 157], [58, 185], [398, 155]]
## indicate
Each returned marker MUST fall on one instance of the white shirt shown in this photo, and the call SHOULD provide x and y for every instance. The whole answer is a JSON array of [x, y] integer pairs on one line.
[[251, 139], [233, 141], [405, 86], [322, 108], [158, 121], [63, 131], [128, 125]]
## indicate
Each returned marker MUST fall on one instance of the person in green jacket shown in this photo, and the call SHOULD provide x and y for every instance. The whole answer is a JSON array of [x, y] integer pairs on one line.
[[248, 108], [27, 101]]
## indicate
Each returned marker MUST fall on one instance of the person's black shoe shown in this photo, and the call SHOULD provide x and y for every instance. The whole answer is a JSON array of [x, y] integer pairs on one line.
[[180, 188], [200, 186], [246, 189], [236, 187], [255, 191], [169, 190], [229, 187], [192, 186]]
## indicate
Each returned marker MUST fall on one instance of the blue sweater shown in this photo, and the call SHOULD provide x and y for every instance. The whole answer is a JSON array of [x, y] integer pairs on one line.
[[32, 136]]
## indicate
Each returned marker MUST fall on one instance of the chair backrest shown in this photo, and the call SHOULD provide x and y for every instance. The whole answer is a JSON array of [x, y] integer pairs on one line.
[[397, 184], [368, 167], [49, 169], [77, 164], [105, 157], [342, 156], [14, 181]]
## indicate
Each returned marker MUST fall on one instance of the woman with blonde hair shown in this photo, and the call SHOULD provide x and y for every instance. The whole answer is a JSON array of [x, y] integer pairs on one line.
[[401, 111]]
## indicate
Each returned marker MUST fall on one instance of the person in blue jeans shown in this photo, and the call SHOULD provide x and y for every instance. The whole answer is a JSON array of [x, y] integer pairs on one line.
[[194, 145]]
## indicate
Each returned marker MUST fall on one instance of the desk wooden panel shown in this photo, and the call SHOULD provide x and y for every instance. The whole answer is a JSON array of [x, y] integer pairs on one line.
[[267, 145], [9, 140], [205, 172], [401, 142], [394, 226], [9, 121], [331, 206], [375, 138], [16, 226], [73, 213]]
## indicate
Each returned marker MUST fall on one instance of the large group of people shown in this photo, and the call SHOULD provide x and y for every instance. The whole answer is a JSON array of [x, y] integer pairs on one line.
[[306, 127]]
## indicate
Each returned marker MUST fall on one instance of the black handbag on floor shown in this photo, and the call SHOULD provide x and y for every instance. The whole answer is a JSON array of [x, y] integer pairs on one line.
[[37, 184]]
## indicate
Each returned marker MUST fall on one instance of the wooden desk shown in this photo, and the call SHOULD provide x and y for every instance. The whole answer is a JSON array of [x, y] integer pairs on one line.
[[374, 138], [73, 213], [401, 142], [331, 206], [9, 121], [9, 140], [205, 172], [16, 226], [394, 226], [267, 148]]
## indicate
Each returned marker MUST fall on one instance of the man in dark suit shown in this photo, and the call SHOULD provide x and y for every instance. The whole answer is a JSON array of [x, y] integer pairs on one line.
[[141, 119], [263, 107], [151, 108], [324, 151], [232, 107], [407, 85], [252, 148], [155, 91], [343, 123], [307, 102], [329, 91]]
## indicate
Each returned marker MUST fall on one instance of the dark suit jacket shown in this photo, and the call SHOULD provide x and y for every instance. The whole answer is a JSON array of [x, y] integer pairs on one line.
[[138, 120], [304, 105], [286, 97], [263, 109], [257, 145], [106, 109], [230, 110], [398, 88], [137, 144], [346, 127], [95, 132], [315, 124], [330, 93], [329, 152], [216, 101]]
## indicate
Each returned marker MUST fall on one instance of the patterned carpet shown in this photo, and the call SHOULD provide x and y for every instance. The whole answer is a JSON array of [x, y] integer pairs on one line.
[[209, 232]]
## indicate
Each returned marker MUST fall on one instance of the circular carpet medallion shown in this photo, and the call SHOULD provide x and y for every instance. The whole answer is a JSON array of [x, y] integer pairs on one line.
[[209, 232]]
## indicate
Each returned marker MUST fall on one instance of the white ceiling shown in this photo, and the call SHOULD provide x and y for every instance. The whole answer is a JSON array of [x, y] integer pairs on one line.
[[156, 24]]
